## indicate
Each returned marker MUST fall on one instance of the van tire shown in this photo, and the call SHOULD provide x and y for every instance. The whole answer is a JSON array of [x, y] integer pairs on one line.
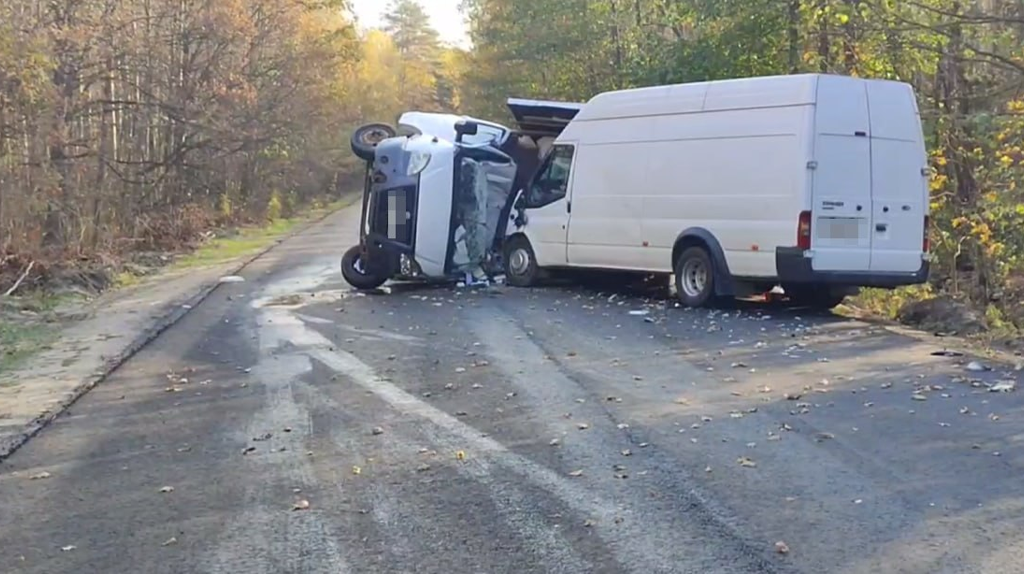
[[520, 263], [355, 274], [365, 139], [695, 277]]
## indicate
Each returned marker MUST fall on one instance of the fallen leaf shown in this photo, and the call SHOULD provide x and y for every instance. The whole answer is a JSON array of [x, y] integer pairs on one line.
[[460, 455], [356, 470], [301, 505], [746, 462], [40, 475], [781, 547], [588, 523]]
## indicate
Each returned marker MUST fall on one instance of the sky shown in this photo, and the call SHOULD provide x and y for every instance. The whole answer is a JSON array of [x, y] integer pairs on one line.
[[444, 17]]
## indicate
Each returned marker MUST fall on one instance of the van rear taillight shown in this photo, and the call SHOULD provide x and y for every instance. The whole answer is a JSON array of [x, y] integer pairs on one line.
[[926, 244], [803, 230]]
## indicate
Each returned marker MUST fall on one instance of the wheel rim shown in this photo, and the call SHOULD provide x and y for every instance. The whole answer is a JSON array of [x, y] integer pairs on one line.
[[694, 277], [374, 136], [357, 264], [519, 261]]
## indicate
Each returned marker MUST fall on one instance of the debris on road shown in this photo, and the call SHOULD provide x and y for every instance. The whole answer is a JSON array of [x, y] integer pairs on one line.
[[582, 426], [781, 547], [576, 473], [40, 475], [460, 455], [1004, 386], [170, 541], [746, 462], [68, 548], [301, 505], [555, 442], [976, 367], [356, 470], [232, 279], [918, 397], [377, 431], [166, 489]]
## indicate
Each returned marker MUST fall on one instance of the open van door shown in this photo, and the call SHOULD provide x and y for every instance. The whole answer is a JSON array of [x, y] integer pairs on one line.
[[540, 119], [841, 210], [899, 179]]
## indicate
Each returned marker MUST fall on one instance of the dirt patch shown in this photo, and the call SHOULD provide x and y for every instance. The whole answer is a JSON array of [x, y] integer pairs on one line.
[[942, 314]]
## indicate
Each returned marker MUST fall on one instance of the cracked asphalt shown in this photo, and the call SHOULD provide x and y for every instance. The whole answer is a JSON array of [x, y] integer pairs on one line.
[[288, 424]]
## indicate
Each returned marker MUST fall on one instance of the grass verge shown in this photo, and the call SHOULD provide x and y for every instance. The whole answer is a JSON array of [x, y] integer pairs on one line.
[[21, 339], [249, 240]]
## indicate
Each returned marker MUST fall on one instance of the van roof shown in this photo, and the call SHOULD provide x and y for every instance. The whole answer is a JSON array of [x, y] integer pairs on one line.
[[758, 92]]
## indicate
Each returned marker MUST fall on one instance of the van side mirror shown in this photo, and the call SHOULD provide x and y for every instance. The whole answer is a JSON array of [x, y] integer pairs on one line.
[[465, 128]]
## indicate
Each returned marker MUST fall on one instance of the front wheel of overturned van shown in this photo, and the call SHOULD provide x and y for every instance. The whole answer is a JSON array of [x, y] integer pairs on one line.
[[353, 270], [520, 263], [695, 277], [365, 139]]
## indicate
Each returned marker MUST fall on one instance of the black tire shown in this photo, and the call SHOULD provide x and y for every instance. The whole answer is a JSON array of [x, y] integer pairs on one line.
[[365, 139], [355, 274], [520, 263], [817, 297], [695, 277]]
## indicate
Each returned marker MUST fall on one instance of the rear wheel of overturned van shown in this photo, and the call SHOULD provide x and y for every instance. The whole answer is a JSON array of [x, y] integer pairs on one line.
[[355, 273], [695, 277]]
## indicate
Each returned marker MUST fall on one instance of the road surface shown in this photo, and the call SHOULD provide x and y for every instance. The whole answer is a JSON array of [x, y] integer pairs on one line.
[[288, 424]]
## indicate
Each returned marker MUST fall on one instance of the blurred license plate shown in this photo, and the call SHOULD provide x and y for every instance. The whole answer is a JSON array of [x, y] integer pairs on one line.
[[833, 228]]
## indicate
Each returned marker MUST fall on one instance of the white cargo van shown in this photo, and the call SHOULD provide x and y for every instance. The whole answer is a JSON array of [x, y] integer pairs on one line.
[[817, 183]]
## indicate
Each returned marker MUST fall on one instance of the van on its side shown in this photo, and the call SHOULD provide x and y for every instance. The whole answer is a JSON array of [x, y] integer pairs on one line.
[[817, 183]]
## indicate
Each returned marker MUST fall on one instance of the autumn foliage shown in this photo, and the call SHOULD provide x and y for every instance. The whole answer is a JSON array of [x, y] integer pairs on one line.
[[129, 126]]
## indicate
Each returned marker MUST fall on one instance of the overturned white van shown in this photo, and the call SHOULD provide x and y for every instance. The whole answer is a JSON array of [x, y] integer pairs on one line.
[[817, 183], [439, 190]]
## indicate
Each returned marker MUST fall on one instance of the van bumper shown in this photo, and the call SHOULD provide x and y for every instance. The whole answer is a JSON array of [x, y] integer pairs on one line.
[[793, 267]]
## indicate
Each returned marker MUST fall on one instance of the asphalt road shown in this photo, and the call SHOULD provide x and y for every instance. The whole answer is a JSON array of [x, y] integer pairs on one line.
[[290, 425]]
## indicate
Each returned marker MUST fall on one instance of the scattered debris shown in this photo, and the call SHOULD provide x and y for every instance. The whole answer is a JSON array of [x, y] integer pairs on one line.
[[627, 452], [460, 455], [166, 489], [170, 541], [40, 476], [423, 467], [555, 442], [356, 470], [576, 473], [301, 505], [947, 353], [68, 548], [1004, 386], [248, 449], [976, 367], [232, 279], [582, 426], [377, 431], [781, 547], [746, 462], [918, 397]]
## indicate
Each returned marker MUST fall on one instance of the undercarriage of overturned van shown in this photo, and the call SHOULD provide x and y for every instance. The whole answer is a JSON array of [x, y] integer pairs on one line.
[[438, 195]]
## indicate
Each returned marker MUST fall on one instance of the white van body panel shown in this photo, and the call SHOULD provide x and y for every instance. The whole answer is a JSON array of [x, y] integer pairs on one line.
[[742, 159]]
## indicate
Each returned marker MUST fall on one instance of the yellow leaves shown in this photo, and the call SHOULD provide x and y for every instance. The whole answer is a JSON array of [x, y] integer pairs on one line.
[[1006, 160]]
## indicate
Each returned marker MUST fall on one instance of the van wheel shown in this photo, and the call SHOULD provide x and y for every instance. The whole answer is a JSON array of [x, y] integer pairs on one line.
[[355, 273], [520, 263], [695, 277], [816, 297], [365, 139]]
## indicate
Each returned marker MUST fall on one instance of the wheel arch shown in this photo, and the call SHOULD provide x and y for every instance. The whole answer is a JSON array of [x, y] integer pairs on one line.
[[724, 284]]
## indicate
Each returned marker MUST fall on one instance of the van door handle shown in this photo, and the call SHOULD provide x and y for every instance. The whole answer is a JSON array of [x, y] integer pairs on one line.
[[881, 227]]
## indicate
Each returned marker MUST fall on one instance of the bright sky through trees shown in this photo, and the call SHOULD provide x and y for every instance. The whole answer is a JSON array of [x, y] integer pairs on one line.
[[444, 17]]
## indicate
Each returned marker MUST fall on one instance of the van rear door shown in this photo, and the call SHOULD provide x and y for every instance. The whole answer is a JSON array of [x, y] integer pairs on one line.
[[841, 217], [899, 180]]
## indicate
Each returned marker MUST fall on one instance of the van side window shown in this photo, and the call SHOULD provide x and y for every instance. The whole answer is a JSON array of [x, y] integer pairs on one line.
[[552, 180]]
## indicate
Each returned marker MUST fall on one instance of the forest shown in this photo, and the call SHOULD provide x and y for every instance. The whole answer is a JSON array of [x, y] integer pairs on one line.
[[129, 126]]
